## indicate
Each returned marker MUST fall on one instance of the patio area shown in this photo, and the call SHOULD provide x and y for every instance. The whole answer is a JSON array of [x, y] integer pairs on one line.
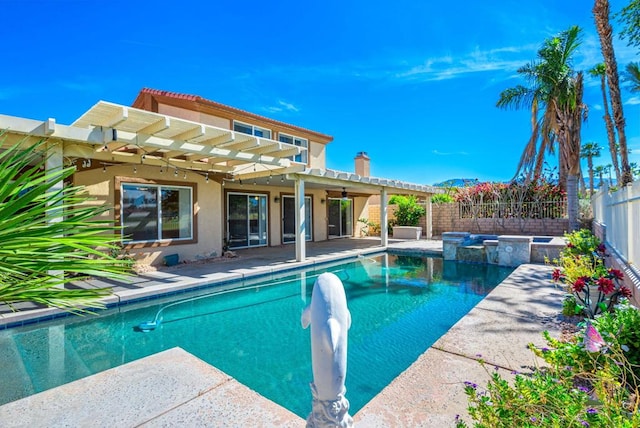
[[174, 388]]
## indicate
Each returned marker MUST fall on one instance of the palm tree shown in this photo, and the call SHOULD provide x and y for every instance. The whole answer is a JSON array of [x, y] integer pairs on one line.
[[589, 151], [39, 256], [600, 71], [600, 171], [556, 92], [633, 76], [607, 168], [601, 15]]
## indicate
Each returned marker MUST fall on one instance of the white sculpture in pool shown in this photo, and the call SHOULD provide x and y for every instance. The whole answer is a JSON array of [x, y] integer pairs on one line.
[[330, 320]]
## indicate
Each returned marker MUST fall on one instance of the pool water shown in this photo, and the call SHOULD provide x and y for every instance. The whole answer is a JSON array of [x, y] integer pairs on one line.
[[400, 306]]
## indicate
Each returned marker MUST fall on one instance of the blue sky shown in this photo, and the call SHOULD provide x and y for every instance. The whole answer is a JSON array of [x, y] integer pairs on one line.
[[412, 83]]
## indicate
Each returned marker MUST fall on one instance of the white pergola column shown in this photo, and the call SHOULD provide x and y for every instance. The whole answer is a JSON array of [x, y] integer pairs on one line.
[[301, 227], [384, 230], [54, 162], [429, 219]]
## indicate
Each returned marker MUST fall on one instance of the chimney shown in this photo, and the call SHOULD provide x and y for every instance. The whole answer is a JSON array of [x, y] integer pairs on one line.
[[362, 164]]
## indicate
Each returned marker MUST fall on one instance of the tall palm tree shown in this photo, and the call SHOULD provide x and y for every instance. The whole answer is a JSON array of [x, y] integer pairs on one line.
[[607, 168], [632, 76], [600, 171], [589, 151], [557, 111], [600, 71], [601, 15]]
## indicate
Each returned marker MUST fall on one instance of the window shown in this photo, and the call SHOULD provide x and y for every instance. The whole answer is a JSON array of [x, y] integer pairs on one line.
[[251, 130], [296, 141], [153, 212]]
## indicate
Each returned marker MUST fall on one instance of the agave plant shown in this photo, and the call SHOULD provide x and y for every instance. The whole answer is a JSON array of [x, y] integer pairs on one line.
[[50, 236]]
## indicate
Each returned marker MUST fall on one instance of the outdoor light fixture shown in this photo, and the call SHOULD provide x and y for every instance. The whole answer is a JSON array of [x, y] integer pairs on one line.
[[206, 177], [344, 193], [322, 201], [276, 199]]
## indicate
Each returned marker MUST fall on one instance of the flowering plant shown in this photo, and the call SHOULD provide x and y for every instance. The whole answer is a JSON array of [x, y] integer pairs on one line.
[[593, 287]]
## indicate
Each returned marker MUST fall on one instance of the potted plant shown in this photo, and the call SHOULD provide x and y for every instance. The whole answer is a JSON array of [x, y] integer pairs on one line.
[[408, 214]]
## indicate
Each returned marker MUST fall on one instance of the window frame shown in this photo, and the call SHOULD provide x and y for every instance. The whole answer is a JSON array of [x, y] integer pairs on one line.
[[118, 207], [253, 129], [304, 155]]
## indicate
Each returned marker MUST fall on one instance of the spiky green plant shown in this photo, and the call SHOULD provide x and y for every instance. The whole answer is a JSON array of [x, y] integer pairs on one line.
[[50, 236]]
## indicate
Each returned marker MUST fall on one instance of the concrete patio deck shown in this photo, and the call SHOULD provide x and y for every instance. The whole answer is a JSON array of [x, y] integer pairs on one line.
[[174, 388]]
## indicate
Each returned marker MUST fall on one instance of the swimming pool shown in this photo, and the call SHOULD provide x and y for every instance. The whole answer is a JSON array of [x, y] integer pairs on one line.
[[400, 306]]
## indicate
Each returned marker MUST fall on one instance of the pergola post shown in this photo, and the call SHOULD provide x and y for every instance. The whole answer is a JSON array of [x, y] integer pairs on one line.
[[301, 227], [384, 230], [54, 161]]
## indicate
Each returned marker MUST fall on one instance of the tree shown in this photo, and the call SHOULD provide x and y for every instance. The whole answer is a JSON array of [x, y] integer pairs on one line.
[[632, 76], [39, 256], [600, 171], [589, 151], [557, 111], [601, 15], [629, 18], [607, 168], [600, 71]]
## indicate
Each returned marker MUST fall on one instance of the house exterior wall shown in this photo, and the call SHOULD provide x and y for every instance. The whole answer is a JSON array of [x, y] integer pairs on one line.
[[207, 208], [215, 114], [195, 116]]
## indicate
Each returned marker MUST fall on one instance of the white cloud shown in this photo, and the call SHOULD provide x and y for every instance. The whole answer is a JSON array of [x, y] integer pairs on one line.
[[439, 153], [505, 59], [282, 106], [633, 101]]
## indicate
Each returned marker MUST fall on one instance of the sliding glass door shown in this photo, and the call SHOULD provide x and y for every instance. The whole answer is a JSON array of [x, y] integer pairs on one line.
[[340, 218], [246, 220], [289, 218]]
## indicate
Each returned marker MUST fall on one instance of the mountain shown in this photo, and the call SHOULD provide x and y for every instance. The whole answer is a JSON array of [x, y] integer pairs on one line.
[[457, 182]]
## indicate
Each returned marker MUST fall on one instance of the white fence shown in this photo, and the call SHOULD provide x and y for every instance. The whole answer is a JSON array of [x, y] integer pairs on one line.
[[619, 212]]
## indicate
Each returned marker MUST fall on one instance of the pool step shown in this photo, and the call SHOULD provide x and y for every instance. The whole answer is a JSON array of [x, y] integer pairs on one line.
[[472, 254], [16, 383]]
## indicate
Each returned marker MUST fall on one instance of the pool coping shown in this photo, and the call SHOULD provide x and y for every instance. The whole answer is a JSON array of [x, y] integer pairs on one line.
[[429, 393]]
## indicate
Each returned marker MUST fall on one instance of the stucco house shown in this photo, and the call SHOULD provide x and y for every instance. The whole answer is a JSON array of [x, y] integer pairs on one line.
[[189, 176]]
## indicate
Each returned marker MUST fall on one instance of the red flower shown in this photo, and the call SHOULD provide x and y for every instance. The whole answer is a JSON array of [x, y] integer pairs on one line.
[[615, 273], [570, 245], [625, 292], [579, 284], [557, 275], [601, 249], [605, 285]]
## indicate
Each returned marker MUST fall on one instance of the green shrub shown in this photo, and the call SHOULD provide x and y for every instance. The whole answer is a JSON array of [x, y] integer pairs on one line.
[[592, 380], [408, 212], [442, 198]]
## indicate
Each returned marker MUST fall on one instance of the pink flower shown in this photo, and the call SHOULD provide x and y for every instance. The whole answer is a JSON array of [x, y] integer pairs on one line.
[[592, 341], [606, 285]]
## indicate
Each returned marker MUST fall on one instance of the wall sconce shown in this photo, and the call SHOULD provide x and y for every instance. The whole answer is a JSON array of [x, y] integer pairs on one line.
[[344, 194], [276, 199], [322, 201]]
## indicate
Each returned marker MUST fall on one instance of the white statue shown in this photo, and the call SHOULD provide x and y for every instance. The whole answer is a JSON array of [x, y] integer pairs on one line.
[[330, 320]]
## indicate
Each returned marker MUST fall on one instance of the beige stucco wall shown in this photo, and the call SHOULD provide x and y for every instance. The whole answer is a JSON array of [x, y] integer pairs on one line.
[[317, 155], [195, 116], [208, 209]]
